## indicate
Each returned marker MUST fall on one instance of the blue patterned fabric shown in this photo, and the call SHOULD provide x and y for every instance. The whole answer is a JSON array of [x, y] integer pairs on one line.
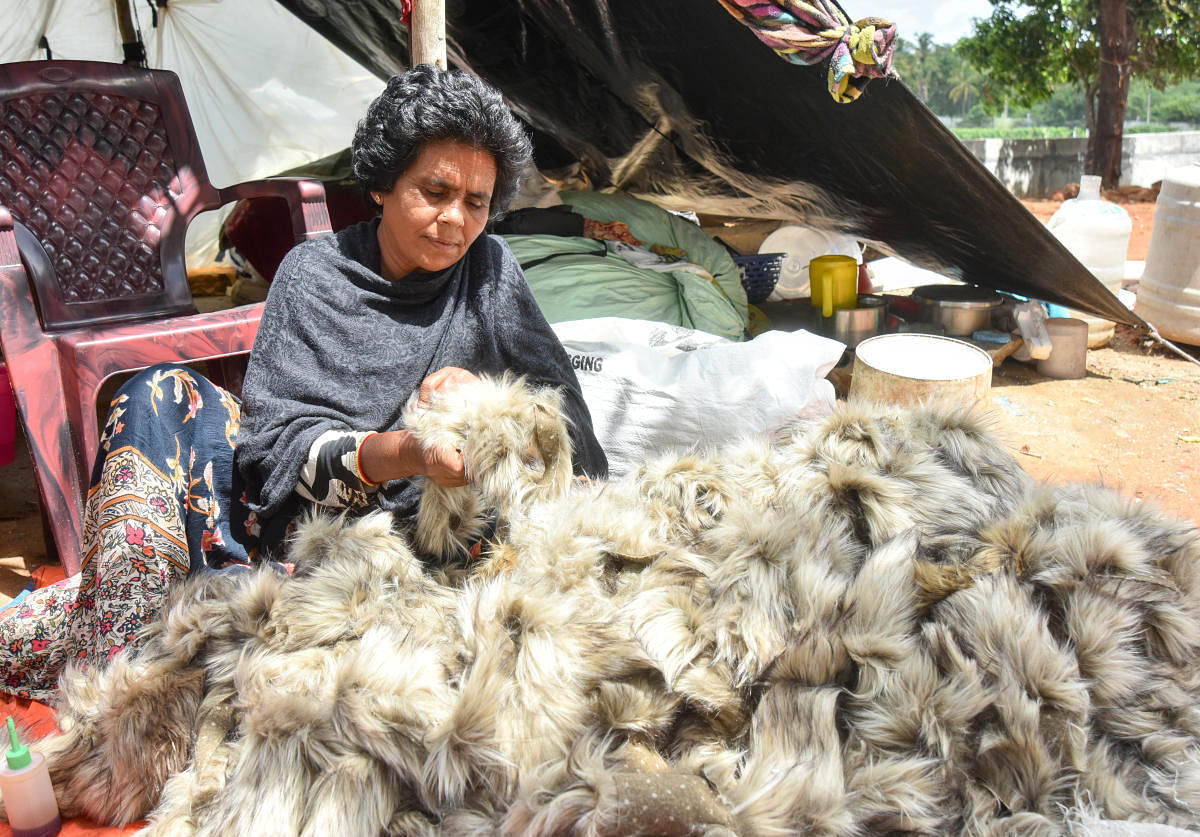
[[165, 501]]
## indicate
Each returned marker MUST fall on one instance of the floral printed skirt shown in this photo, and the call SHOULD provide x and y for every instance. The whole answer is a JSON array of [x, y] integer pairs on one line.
[[165, 500]]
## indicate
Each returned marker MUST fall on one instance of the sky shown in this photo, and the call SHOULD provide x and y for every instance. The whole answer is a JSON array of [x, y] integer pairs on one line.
[[946, 20]]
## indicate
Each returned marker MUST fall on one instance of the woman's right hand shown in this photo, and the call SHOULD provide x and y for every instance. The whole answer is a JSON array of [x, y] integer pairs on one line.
[[445, 466], [397, 454]]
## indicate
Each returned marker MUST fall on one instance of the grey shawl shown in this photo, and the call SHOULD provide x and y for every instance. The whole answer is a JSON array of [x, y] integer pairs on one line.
[[340, 347]]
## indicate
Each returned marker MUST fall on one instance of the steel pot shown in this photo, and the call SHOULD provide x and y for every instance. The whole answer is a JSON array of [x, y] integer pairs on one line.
[[960, 309], [854, 325]]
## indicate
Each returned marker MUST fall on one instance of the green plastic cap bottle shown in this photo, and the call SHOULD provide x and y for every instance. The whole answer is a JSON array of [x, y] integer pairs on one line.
[[18, 757]]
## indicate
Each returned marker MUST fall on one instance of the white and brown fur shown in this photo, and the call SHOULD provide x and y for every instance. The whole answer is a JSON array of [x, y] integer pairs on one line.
[[516, 448], [876, 623]]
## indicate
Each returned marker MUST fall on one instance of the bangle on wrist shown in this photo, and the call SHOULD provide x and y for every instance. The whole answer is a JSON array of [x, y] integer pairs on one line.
[[358, 460]]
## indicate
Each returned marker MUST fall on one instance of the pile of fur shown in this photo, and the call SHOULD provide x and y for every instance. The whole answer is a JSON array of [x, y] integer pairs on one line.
[[877, 623]]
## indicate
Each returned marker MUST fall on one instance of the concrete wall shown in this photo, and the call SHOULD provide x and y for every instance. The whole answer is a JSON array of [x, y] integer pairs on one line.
[[1038, 168]]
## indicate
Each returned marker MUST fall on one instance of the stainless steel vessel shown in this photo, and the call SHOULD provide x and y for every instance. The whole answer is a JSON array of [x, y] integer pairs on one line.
[[854, 325], [960, 309]]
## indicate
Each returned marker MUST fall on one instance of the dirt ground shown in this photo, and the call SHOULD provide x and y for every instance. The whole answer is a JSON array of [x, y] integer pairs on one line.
[[1133, 424]]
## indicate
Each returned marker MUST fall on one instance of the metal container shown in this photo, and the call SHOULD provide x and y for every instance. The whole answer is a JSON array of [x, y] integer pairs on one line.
[[850, 325], [854, 325], [960, 309]]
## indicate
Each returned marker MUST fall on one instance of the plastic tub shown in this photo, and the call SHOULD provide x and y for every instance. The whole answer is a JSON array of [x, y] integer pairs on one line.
[[1169, 292], [910, 369]]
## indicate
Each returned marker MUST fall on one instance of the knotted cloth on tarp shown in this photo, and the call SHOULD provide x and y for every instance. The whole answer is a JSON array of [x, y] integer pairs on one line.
[[809, 33]]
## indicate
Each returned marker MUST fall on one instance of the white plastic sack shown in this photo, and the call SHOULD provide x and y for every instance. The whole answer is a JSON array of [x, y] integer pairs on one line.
[[653, 388]]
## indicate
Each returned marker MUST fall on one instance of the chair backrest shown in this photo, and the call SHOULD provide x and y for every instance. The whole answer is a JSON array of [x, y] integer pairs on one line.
[[92, 157]]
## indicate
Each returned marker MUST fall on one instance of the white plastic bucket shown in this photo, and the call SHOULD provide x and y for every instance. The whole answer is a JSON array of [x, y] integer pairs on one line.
[[1068, 349], [1169, 293], [910, 369]]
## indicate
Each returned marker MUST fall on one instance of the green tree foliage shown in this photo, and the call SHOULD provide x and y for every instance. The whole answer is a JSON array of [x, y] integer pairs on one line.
[[1179, 103], [932, 71], [1063, 107], [924, 65], [927, 69], [1028, 48], [965, 86], [976, 117], [1026, 52]]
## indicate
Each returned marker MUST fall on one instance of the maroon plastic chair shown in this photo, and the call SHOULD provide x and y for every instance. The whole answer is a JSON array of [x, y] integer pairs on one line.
[[101, 174]]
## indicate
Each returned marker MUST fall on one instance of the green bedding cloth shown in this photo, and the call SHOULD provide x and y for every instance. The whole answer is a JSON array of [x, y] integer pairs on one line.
[[578, 278]]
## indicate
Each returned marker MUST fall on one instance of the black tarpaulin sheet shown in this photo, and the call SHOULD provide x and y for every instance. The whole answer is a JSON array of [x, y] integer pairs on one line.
[[677, 102]]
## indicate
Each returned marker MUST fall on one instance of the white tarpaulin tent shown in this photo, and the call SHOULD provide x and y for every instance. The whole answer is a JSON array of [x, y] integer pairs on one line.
[[266, 92]]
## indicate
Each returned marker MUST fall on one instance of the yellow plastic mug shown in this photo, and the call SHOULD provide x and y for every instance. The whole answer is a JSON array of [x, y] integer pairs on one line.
[[833, 281]]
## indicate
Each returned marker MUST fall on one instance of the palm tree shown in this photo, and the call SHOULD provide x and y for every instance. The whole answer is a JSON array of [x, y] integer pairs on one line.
[[924, 48], [963, 85]]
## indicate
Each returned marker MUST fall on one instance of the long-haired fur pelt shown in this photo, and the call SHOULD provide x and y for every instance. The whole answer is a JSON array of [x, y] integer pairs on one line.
[[516, 449], [875, 622]]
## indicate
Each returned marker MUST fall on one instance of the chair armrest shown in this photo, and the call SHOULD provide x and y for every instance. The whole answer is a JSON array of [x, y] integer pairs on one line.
[[306, 200], [33, 368], [10, 256], [99, 353], [19, 307]]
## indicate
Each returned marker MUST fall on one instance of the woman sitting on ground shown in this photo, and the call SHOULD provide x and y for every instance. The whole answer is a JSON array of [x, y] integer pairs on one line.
[[415, 301]]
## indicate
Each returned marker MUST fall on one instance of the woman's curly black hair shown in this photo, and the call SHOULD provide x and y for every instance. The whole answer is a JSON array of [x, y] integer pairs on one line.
[[426, 104]]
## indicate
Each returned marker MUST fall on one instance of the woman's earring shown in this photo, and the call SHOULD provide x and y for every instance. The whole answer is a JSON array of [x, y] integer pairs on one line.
[[378, 198]]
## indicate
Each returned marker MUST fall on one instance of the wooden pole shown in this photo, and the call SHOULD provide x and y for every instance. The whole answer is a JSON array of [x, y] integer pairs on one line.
[[131, 44], [427, 37]]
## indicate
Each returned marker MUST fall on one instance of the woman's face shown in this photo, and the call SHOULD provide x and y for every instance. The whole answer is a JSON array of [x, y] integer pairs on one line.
[[436, 210]]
